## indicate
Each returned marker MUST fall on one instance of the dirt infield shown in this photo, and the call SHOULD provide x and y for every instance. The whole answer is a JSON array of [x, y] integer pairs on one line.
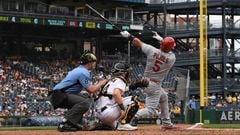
[[143, 130]]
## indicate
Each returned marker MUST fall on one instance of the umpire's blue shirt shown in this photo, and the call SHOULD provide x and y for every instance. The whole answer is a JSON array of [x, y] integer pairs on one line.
[[81, 74]]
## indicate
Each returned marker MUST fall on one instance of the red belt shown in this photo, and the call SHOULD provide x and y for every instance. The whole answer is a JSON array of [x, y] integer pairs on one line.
[[153, 80]]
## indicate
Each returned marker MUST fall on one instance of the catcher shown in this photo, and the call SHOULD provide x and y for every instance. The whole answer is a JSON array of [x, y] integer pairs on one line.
[[112, 110]]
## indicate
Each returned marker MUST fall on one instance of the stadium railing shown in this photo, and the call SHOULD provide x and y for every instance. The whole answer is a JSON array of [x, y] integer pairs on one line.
[[11, 121]]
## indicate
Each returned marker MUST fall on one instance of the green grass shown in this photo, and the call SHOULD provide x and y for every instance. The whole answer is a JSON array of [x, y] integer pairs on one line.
[[29, 128], [235, 126]]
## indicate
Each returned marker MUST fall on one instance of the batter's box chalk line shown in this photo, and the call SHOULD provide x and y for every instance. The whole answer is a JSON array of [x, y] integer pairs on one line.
[[196, 125]]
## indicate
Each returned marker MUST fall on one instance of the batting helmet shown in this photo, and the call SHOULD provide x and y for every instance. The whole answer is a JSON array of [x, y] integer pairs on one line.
[[120, 68], [87, 58], [167, 44]]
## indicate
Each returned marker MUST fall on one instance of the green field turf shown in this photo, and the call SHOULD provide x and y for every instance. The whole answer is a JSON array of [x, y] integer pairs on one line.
[[29, 128], [235, 126]]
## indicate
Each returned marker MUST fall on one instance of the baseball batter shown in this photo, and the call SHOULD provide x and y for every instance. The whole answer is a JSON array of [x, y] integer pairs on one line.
[[159, 62], [111, 108]]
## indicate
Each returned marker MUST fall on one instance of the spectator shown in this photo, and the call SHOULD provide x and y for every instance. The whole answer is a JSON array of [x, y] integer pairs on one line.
[[219, 104], [234, 99], [238, 99], [229, 99], [176, 110], [212, 99], [190, 51]]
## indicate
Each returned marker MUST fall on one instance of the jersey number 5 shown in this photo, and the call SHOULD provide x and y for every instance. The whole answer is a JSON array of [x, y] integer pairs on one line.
[[156, 67]]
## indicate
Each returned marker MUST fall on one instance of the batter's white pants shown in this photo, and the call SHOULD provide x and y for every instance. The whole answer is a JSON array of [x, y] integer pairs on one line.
[[154, 95]]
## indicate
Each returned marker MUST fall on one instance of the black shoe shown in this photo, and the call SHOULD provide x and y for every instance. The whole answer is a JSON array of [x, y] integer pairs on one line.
[[69, 127], [66, 127], [78, 126], [134, 121]]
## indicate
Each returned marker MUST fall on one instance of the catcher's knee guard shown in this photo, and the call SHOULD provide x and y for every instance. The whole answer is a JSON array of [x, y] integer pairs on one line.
[[131, 111], [135, 99]]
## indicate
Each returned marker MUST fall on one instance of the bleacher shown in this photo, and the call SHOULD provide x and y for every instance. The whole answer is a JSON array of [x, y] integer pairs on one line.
[[40, 105], [170, 81], [137, 71], [137, 92]]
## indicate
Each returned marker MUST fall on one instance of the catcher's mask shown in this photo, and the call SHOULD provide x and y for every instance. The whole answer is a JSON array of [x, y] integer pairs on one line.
[[120, 68]]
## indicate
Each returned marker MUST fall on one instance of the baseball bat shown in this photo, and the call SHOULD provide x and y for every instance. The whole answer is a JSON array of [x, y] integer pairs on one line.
[[102, 17]]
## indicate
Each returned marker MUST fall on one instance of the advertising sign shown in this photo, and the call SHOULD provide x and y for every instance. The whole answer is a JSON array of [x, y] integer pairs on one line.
[[56, 22], [228, 116], [4, 18], [91, 25], [60, 22]]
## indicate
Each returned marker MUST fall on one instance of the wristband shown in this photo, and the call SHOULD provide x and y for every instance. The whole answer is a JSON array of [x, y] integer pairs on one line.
[[121, 106], [131, 37]]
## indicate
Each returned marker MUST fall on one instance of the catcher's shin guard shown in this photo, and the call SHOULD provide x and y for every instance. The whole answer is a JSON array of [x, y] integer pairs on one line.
[[131, 111]]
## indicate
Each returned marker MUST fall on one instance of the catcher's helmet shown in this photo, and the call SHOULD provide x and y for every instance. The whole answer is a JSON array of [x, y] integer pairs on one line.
[[120, 68], [87, 58], [167, 44]]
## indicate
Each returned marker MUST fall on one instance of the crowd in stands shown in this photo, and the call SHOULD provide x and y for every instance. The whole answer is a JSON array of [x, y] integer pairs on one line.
[[24, 86], [220, 102], [231, 100]]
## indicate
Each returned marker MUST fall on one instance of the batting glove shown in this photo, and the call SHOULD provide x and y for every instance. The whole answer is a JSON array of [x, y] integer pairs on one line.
[[156, 36], [127, 35]]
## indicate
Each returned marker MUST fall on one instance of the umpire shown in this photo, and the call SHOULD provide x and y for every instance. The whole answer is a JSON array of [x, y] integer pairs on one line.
[[66, 94]]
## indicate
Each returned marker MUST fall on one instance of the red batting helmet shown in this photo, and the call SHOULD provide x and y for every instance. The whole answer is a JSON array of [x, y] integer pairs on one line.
[[167, 44]]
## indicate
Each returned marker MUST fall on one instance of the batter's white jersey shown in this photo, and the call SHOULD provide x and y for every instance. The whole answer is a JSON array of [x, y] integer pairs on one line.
[[158, 63]]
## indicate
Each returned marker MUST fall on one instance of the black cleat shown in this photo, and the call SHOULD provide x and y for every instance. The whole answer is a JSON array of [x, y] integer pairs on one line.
[[134, 121], [65, 127], [69, 127]]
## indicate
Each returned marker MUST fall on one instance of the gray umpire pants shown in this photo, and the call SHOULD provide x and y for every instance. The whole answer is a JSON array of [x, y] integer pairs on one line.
[[77, 105]]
